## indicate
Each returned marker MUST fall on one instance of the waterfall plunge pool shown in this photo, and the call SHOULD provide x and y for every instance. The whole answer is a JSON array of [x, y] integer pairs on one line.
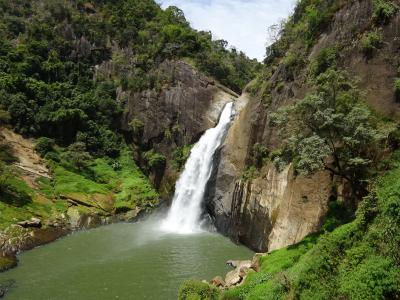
[[136, 261], [120, 261]]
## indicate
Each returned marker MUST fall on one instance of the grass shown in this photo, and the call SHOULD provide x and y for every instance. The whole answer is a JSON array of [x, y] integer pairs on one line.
[[120, 180], [359, 259], [268, 282]]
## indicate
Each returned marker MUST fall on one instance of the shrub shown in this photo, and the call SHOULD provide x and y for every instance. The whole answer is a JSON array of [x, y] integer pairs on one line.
[[375, 278], [260, 152], [6, 154], [197, 290], [326, 59], [44, 145], [4, 117], [155, 160], [78, 155], [137, 127], [384, 11], [370, 42], [292, 62], [52, 156], [180, 156], [397, 89]]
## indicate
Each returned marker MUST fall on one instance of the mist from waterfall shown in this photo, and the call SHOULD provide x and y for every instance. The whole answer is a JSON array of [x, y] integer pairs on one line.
[[186, 210]]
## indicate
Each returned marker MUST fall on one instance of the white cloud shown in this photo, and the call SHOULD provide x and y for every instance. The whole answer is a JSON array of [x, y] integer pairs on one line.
[[242, 23]]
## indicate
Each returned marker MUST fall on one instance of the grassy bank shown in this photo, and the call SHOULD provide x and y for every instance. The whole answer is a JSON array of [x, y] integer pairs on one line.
[[105, 186], [357, 260]]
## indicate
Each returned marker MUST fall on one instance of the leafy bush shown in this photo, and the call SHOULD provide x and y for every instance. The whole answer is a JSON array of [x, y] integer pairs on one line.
[[292, 63], [4, 117], [197, 290], [374, 278], [330, 122], [260, 153], [384, 10], [180, 156], [155, 160], [44, 145], [397, 89], [78, 156], [6, 154], [54, 156], [370, 42], [137, 127], [326, 59]]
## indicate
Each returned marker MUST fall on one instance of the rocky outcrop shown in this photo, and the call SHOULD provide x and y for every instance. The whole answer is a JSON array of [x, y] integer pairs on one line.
[[278, 209], [353, 20], [274, 209], [176, 115], [29, 162], [236, 277]]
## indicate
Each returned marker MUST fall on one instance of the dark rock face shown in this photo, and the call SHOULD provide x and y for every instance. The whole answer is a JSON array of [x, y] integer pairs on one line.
[[177, 115]]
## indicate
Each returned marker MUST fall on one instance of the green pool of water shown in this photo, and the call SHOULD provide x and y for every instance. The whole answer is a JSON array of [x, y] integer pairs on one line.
[[120, 261]]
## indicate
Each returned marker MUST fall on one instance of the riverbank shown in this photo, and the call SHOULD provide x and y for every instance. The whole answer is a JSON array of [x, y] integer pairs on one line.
[[29, 234], [125, 260], [43, 199]]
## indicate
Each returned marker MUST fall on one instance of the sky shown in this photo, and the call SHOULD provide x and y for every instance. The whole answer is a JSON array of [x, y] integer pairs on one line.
[[242, 23]]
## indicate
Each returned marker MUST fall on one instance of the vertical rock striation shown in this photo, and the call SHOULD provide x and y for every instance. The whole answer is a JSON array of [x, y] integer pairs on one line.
[[274, 209]]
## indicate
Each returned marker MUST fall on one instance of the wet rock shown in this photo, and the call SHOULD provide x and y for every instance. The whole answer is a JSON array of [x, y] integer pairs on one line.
[[5, 286]]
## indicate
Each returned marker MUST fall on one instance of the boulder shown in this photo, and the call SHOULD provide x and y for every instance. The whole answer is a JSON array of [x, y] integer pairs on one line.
[[232, 278], [33, 222], [218, 281], [236, 276], [256, 262]]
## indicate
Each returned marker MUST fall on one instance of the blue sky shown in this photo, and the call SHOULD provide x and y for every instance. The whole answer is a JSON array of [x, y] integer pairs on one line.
[[242, 23]]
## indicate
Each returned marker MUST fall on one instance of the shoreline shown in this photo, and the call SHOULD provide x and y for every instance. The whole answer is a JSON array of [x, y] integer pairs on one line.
[[16, 238]]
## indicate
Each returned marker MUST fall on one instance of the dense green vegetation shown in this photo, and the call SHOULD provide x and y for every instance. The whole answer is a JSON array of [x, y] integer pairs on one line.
[[52, 89], [332, 122], [103, 185], [49, 50], [196, 290], [371, 42], [358, 260], [355, 255]]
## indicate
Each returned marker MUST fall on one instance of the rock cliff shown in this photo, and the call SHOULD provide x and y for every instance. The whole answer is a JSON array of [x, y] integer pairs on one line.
[[176, 115], [274, 209]]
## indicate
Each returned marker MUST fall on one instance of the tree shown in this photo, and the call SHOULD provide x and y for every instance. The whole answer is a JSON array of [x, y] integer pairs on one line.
[[44, 145], [4, 117], [78, 155], [330, 129]]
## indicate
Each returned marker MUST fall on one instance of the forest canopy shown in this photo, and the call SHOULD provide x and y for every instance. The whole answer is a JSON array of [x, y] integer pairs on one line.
[[50, 50]]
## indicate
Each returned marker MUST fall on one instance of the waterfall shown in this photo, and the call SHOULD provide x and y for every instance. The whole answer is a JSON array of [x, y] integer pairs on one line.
[[185, 212]]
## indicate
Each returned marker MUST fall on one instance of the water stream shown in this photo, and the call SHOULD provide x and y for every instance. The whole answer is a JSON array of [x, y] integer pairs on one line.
[[136, 261], [184, 215]]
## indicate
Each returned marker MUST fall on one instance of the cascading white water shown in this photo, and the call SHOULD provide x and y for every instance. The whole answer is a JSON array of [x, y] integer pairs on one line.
[[185, 212]]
